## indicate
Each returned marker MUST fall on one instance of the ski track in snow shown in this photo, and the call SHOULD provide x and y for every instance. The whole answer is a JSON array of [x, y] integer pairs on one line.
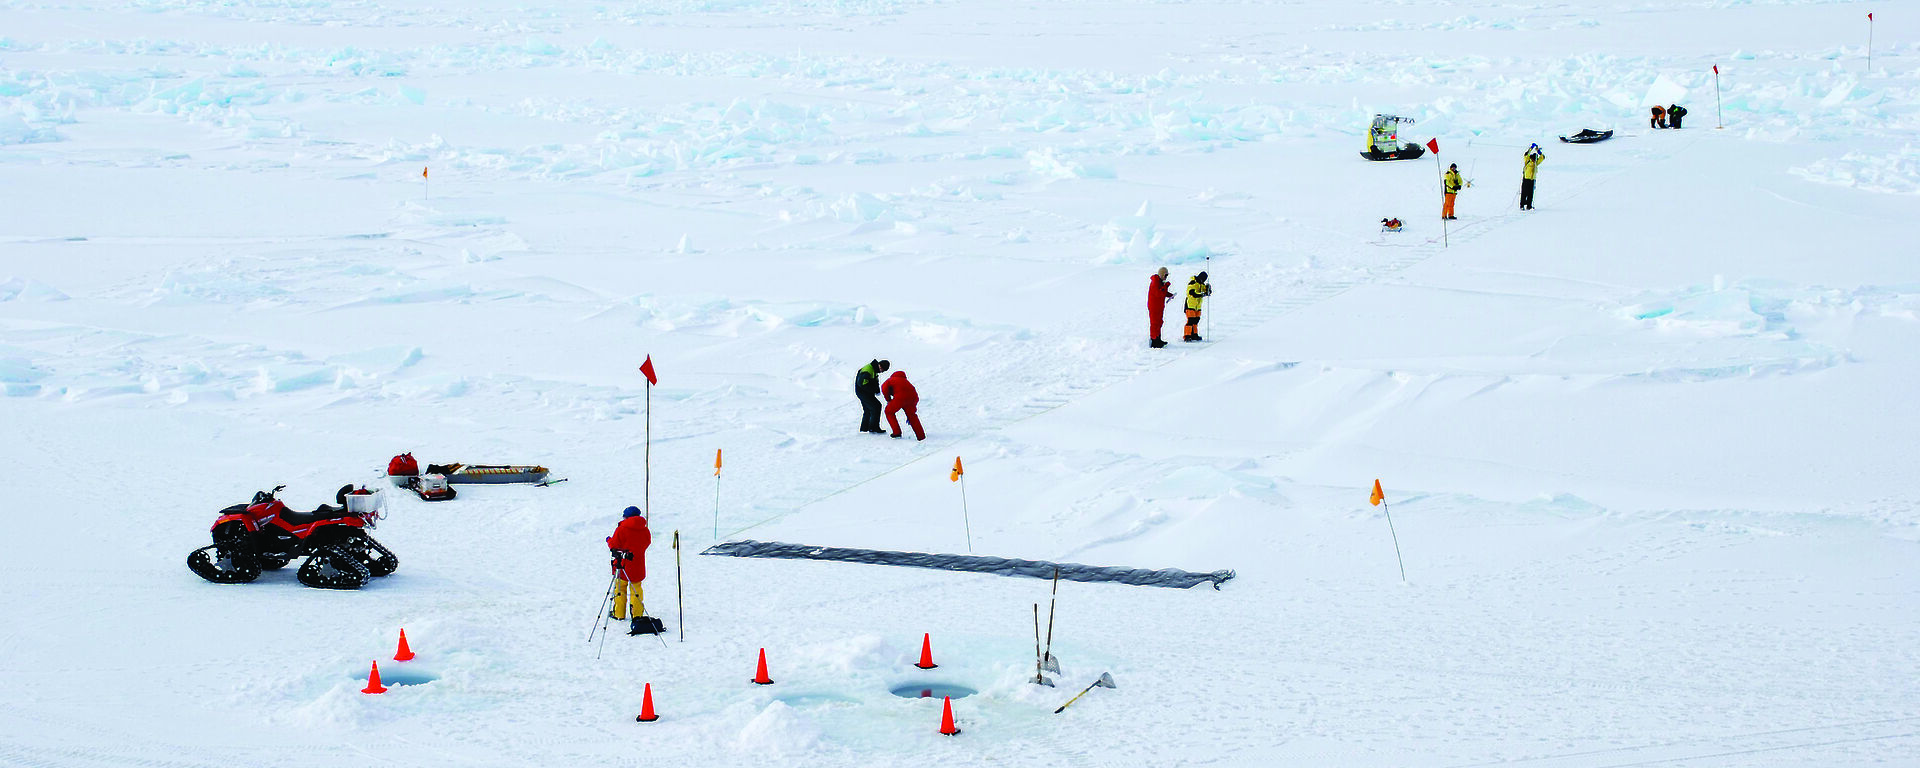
[[1646, 447]]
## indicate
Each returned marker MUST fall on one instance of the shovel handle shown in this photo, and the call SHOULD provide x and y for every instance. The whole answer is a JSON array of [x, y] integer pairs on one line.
[[1076, 697]]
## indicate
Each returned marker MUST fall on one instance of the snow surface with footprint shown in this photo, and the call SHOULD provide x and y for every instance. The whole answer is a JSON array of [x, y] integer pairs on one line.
[[1648, 447]]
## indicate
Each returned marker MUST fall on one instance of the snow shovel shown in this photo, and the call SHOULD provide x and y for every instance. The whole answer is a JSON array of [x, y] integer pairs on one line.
[[1039, 667], [1105, 681], [1047, 662]]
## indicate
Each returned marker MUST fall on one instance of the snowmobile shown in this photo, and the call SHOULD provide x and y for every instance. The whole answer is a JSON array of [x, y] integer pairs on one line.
[[1587, 136], [1383, 140], [264, 535]]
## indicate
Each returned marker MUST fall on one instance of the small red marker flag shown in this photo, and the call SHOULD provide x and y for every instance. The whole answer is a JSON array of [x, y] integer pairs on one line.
[[1716, 69], [1434, 144], [646, 369]]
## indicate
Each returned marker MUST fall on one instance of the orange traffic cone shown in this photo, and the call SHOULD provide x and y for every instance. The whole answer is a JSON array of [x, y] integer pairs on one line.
[[646, 706], [405, 653], [946, 717], [373, 681], [760, 678], [926, 652]]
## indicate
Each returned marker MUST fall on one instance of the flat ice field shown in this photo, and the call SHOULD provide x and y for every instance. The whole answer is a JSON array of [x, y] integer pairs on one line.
[[1649, 449]]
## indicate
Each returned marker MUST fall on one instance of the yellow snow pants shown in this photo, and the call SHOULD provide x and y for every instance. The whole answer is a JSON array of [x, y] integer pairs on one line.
[[624, 591]]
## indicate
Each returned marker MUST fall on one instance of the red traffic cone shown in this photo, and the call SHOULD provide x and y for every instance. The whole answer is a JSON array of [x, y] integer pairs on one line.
[[946, 717], [760, 677], [373, 681], [405, 653], [646, 707], [926, 652]]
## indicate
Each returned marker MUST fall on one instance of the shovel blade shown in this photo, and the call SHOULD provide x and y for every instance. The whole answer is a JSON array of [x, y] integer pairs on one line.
[[1051, 664], [1105, 681], [1041, 680]]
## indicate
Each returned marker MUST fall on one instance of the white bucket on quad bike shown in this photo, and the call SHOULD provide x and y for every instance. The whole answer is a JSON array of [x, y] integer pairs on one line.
[[367, 505]]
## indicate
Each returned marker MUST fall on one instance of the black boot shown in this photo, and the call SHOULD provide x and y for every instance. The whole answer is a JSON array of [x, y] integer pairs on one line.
[[1156, 343]]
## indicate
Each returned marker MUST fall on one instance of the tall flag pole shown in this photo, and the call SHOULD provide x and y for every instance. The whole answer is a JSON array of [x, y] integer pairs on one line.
[[959, 475], [646, 369], [1717, 114], [716, 494], [1434, 144], [1379, 499]]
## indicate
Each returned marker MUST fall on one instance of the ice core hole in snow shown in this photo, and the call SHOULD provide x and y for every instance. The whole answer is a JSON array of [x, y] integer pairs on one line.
[[926, 690], [399, 675]]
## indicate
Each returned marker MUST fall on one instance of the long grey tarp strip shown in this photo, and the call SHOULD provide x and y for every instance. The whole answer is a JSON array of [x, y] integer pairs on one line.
[[1037, 569]]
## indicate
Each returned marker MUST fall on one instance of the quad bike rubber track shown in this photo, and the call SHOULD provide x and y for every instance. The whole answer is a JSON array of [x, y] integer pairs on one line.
[[223, 565], [378, 559], [333, 567], [227, 560]]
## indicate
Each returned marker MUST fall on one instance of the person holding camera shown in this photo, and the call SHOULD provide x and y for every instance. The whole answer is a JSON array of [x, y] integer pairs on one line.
[[1529, 171], [628, 546]]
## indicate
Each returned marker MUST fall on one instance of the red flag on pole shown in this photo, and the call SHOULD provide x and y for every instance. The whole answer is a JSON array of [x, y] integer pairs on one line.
[[646, 369], [1434, 144], [1869, 17], [1716, 69]]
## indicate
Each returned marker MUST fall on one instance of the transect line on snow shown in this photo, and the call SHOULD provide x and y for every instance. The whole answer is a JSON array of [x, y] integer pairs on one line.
[[1172, 578]]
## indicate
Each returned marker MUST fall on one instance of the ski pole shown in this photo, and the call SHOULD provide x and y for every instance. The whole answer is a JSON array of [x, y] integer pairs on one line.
[[1216, 308], [679, 594]]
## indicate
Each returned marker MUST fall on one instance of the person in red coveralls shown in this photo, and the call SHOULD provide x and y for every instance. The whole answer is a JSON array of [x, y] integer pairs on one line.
[[1158, 294], [629, 544], [902, 397]]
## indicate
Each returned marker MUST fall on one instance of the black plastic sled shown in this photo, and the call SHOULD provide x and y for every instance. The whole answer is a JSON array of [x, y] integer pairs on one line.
[[1408, 152], [1587, 136]]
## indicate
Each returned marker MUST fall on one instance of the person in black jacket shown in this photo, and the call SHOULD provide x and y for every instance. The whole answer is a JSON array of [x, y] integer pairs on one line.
[[1674, 113], [866, 387]]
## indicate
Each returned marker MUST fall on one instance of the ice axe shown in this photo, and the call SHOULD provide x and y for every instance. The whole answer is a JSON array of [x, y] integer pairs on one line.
[[1105, 681]]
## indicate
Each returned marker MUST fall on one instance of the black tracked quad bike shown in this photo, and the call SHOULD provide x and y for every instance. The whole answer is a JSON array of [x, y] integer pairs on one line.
[[265, 535]]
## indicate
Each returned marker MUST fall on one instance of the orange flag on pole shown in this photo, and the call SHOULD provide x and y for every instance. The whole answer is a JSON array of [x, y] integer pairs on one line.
[[423, 172], [716, 462], [957, 471], [1378, 495]]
